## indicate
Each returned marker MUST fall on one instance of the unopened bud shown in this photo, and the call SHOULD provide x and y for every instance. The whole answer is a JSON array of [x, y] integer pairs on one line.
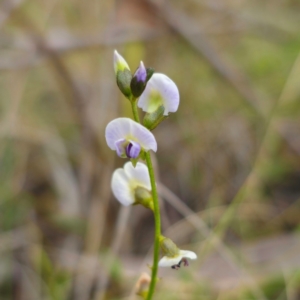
[[142, 285], [139, 81], [120, 63], [123, 81]]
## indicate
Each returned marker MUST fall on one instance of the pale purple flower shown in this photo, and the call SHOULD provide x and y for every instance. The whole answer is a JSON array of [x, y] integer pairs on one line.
[[120, 63], [125, 180], [129, 138], [160, 90]]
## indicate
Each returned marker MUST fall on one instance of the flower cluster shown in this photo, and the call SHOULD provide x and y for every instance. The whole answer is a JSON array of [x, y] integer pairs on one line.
[[157, 95]]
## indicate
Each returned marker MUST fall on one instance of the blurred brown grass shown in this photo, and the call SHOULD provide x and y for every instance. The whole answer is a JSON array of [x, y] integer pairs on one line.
[[228, 160]]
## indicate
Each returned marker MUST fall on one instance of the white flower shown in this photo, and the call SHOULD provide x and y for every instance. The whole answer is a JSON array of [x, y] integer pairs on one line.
[[175, 261], [128, 138], [125, 181], [120, 63], [160, 90]]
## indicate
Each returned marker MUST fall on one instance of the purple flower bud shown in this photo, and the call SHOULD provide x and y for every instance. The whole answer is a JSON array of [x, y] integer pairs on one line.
[[133, 150], [139, 81], [141, 73]]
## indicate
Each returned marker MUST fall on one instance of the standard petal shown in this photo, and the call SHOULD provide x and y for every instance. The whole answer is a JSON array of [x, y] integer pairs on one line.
[[160, 90], [169, 261], [121, 188], [143, 136], [139, 174], [117, 130], [188, 254], [125, 128]]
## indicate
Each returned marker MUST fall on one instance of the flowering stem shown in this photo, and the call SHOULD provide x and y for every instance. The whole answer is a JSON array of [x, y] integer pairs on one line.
[[156, 211], [134, 110], [157, 226]]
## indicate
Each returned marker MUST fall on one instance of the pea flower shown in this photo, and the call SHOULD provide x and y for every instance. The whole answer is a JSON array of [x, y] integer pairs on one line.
[[174, 257], [129, 138], [160, 91], [128, 180]]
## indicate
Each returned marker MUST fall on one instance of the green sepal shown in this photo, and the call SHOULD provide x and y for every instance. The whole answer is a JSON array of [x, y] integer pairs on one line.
[[142, 155], [137, 87], [134, 161], [150, 72], [152, 120], [144, 197], [123, 81], [143, 294], [168, 247]]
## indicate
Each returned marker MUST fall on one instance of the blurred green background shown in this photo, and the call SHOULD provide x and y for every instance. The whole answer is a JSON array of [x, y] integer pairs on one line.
[[228, 163]]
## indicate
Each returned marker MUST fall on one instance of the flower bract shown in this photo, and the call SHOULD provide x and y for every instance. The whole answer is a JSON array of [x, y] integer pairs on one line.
[[127, 179], [160, 90], [129, 138]]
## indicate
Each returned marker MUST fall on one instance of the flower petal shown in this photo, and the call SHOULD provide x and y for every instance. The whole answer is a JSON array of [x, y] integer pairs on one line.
[[160, 90], [169, 261], [121, 188], [139, 174], [119, 145], [133, 149], [125, 128], [188, 254], [124, 181]]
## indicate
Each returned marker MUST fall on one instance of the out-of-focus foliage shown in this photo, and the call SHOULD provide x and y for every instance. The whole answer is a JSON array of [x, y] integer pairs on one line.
[[230, 153]]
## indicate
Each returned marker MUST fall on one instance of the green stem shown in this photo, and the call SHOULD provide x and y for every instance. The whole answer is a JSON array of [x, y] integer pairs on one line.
[[134, 110], [157, 226], [156, 211]]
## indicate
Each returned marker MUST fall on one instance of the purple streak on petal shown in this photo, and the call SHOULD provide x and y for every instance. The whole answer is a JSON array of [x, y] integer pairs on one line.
[[120, 147], [133, 149], [141, 73]]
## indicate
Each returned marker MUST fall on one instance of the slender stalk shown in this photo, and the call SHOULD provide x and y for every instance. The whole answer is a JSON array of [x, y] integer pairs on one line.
[[156, 211], [157, 227], [134, 110]]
